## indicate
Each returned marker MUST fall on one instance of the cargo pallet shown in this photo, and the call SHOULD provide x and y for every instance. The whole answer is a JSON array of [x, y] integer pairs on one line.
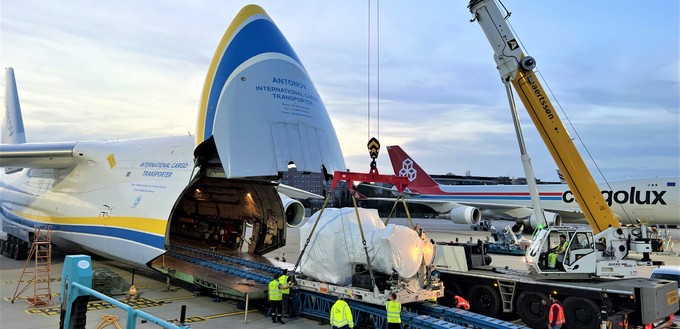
[[415, 315]]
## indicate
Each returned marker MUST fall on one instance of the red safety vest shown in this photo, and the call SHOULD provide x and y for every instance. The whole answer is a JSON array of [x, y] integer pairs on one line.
[[462, 303], [560, 314]]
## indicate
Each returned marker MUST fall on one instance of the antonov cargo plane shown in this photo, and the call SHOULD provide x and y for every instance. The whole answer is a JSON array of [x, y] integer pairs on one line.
[[133, 199], [654, 200]]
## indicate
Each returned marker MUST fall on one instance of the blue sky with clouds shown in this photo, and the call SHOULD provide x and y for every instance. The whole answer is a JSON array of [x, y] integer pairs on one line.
[[120, 69]]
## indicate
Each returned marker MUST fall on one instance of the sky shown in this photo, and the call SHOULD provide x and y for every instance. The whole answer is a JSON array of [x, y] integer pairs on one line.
[[97, 70]]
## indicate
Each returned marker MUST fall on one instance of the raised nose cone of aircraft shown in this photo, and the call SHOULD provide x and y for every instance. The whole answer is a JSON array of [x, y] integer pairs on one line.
[[260, 105]]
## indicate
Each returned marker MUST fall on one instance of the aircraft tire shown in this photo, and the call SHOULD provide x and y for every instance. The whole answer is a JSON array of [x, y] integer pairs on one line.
[[10, 252], [15, 251], [5, 249], [9, 245], [12, 248], [22, 250], [19, 251], [531, 310], [581, 312], [2, 247], [485, 300]]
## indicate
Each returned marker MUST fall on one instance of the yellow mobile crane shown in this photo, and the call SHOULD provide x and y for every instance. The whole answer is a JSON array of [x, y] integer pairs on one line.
[[591, 257], [601, 251]]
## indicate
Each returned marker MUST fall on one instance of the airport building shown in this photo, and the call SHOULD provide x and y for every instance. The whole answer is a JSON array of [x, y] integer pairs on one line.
[[315, 182], [451, 179]]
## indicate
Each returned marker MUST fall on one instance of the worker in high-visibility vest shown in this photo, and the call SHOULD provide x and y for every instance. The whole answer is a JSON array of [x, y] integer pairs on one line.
[[341, 315], [285, 291], [275, 297], [558, 254], [555, 314], [461, 303], [393, 308]]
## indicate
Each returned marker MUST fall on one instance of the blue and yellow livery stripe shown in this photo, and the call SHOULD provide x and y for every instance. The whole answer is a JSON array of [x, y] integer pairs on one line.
[[251, 33], [147, 231]]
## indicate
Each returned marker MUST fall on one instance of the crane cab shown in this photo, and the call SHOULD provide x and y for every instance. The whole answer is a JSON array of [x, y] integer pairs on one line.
[[565, 252]]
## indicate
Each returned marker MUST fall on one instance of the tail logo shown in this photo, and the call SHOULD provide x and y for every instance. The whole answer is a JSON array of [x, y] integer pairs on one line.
[[407, 170]]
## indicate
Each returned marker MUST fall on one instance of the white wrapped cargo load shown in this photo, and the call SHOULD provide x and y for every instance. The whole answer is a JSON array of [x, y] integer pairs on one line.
[[336, 246]]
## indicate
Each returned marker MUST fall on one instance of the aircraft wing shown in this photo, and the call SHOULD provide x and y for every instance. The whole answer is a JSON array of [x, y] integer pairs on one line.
[[494, 210], [441, 206], [37, 155], [568, 214], [60, 155], [296, 193], [517, 211], [392, 190]]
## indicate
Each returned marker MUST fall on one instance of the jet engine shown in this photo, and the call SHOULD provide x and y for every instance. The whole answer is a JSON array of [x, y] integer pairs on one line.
[[552, 218], [465, 215], [294, 211]]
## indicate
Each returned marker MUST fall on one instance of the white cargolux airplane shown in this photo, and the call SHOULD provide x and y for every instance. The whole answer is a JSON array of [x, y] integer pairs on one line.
[[132, 199], [655, 200]]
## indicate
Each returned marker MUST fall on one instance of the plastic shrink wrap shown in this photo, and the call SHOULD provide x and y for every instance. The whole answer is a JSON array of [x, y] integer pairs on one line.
[[335, 247]]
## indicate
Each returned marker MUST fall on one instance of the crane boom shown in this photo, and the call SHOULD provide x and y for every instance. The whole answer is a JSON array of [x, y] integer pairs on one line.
[[518, 69]]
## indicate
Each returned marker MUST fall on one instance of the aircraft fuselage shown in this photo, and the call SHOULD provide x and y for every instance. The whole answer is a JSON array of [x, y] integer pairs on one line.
[[128, 200], [654, 199]]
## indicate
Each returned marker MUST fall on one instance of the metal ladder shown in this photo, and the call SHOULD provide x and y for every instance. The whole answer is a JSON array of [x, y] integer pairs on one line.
[[41, 255], [507, 290]]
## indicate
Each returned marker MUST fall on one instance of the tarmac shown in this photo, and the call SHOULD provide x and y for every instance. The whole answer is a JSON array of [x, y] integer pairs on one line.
[[202, 311], [154, 298]]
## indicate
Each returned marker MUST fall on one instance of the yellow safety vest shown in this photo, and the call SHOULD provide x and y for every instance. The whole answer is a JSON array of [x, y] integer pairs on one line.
[[274, 291], [284, 282], [341, 315], [563, 246], [393, 311]]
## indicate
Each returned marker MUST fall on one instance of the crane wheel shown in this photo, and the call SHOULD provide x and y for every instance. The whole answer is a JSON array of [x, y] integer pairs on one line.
[[531, 309], [485, 300], [581, 312]]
